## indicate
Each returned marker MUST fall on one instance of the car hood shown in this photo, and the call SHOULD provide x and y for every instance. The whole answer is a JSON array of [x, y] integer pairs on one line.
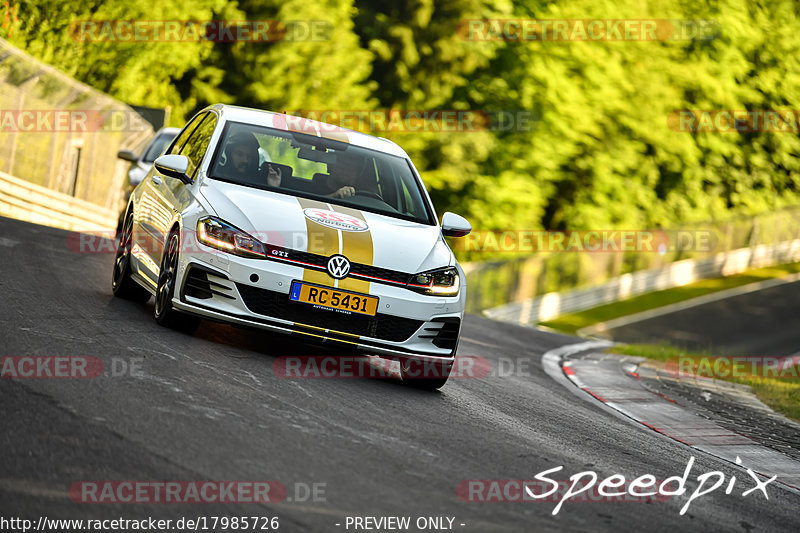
[[327, 229]]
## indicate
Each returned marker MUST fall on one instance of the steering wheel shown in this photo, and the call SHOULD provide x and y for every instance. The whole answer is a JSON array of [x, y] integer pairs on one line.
[[369, 194]]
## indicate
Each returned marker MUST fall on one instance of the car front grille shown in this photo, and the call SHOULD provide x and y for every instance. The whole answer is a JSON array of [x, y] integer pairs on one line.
[[382, 274], [320, 262], [277, 305]]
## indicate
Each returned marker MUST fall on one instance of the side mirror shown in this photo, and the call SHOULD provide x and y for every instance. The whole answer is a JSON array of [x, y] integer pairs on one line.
[[455, 225], [174, 166], [127, 155]]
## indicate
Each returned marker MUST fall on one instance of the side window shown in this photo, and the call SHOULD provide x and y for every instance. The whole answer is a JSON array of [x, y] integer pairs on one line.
[[181, 140], [195, 148]]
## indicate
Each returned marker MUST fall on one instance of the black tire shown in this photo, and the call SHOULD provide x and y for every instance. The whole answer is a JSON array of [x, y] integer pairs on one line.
[[425, 375], [120, 222], [164, 313], [121, 283]]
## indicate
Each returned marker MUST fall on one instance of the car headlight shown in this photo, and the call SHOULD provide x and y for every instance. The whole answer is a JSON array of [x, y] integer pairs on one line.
[[441, 282], [217, 234]]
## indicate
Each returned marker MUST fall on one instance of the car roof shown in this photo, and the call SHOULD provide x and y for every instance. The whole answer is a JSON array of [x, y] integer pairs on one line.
[[285, 122]]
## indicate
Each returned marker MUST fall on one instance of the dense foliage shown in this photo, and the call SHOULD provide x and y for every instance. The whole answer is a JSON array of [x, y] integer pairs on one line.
[[601, 154]]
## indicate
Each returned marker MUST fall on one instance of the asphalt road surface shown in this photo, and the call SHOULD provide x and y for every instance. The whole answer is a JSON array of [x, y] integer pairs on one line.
[[764, 322], [209, 406]]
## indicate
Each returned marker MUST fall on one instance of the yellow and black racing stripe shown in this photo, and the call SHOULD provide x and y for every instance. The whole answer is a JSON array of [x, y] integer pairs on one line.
[[325, 241], [357, 248], [322, 240]]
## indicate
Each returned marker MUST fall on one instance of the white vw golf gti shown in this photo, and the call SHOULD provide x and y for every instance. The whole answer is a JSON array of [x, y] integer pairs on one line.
[[295, 226]]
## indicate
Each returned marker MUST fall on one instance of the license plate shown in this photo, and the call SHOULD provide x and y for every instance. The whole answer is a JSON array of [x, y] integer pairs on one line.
[[331, 298]]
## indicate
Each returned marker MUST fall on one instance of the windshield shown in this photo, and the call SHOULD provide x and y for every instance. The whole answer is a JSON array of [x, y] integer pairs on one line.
[[157, 146], [329, 170]]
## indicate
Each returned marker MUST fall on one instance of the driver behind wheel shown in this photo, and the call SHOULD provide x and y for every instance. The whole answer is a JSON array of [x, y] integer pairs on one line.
[[343, 177]]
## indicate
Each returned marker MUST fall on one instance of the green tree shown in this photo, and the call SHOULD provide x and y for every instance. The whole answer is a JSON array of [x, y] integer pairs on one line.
[[135, 71], [328, 70]]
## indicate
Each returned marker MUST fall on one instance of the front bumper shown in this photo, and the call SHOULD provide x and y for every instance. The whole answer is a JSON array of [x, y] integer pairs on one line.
[[255, 293]]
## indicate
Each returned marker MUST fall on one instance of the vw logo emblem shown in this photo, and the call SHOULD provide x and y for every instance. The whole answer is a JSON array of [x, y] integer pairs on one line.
[[338, 266]]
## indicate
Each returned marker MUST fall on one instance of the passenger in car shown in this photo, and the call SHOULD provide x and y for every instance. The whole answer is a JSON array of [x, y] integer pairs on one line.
[[241, 157], [241, 162], [274, 173]]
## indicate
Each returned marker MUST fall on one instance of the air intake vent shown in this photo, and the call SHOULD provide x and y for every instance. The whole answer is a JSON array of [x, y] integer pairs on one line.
[[198, 285], [447, 337]]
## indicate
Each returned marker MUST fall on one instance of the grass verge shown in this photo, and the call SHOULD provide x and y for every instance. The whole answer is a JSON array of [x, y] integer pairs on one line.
[[572, 322], [781, 395]]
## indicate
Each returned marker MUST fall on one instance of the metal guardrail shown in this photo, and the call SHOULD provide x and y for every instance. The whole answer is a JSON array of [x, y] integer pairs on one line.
[[497, 282], [25, 201], [63, 134], [551, 305]]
